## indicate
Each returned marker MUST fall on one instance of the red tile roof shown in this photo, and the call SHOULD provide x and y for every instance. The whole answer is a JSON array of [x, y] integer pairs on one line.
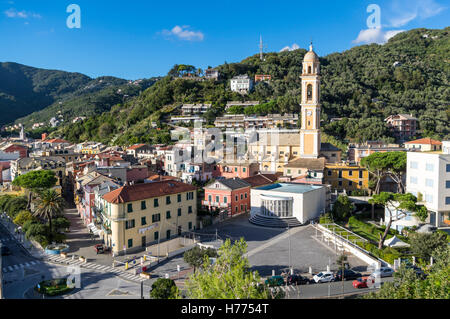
[[135, 147], [137, 192], [57, 140], [427, 140], [261, 179]]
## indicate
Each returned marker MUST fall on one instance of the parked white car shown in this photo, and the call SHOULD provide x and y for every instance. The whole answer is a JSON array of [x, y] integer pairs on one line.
[[383, 272], [324, 276]]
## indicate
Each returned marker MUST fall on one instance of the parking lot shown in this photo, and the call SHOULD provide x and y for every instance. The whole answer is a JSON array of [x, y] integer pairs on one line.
[[268, 248]]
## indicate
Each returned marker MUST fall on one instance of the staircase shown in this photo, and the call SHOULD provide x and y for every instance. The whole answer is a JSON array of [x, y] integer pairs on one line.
[[274, 222]]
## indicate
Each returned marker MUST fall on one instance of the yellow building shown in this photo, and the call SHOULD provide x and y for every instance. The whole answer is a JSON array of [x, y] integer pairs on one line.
[[348, 177], [134, 217], [273, 149]]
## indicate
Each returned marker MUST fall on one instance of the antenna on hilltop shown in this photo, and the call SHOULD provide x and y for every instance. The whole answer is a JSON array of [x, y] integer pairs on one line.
[[261, 48]]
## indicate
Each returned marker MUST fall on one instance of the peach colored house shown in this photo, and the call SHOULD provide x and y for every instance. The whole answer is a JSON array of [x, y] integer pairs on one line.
[[236, 169], [229, 195]]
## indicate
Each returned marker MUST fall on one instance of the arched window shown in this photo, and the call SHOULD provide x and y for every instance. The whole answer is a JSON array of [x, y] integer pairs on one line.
[[309, 70], [309, 90]]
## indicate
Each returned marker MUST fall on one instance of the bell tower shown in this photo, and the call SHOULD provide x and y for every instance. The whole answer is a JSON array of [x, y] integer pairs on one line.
[[310, 131]]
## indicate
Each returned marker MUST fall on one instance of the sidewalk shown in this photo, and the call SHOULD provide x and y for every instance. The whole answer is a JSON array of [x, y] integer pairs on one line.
[[25, 243]]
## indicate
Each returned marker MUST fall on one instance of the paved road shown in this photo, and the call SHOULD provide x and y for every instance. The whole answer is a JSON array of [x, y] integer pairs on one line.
[[322, 290], [19, 257]]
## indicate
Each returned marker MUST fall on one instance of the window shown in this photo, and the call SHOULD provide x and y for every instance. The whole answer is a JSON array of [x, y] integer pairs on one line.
[[155, 202], [350, 173], [235, 169], [448, 168], [429, 182], [245, 195], [190, 225], [130, 243], [447, 200], [414, 165], [447, 184], [129, 224], [360, 183], [209, 198], [360, 174], [242, 196], [225, 199], [190, 195], [168, 200], [217, 199], [179, 211], [340, 174], [429, 167], [179, 198], [237, 198], [143, 221], [242, 207], [168, 214], [350, 183], [309, 90], [143, 205], [340, 183], [289, 171], [168, 234], [156, 218], [429, 198], [244, 169], [156, 236], [190, 210], [329, 173], [130, 208], [413, 180]]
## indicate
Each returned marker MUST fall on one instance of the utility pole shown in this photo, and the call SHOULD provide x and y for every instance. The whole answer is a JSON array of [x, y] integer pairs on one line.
[[289, 235]]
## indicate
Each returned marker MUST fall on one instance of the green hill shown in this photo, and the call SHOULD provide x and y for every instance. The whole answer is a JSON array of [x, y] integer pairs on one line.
[[364, 85]]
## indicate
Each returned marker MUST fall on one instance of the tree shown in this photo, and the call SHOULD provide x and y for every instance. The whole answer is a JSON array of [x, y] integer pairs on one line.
[[228, 278], [400, 203], [406, 286], [49, 204], [423, 245], [342, 208], [35, 181], [196, 256], [382, 165], [164, 289]]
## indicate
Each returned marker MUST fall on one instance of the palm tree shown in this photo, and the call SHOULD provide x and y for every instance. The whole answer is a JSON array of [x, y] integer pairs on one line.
[[48, 204]]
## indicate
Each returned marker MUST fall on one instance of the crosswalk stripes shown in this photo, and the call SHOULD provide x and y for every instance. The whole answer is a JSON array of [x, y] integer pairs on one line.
[[94, 266], [19, 266]]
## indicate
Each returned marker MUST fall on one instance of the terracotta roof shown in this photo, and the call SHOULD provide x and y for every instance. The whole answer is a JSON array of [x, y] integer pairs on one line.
[[309, 163], [137, 192], [425, 141], [135, 147], [261, 179]]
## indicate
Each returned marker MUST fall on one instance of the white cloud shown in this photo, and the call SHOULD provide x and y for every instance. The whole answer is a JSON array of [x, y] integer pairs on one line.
[[377, 35], [295, 46], [404, 11], [399, 14], [13, 13], [183, 33]]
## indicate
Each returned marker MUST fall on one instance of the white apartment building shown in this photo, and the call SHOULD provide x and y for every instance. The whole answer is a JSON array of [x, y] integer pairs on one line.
[[241, 84], [428, 174]]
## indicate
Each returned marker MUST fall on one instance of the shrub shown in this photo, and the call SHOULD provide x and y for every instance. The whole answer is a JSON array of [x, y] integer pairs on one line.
[[23, 217], [61, 223]]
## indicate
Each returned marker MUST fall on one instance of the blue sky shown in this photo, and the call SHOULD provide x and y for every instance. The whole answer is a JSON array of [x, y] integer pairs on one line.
[[142, 38]]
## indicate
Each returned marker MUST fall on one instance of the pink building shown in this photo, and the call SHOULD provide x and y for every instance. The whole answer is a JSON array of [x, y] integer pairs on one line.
[[229, 195], [403, 126], [235, 169]]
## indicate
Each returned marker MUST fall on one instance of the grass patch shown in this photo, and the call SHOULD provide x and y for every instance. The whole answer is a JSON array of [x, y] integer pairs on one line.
[[52, 288]]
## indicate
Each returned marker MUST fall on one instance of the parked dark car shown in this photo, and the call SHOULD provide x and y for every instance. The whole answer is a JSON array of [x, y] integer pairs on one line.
[[297, 280], [275, 281], [6, 251], [419, 272], [348, 275], [100, 249]]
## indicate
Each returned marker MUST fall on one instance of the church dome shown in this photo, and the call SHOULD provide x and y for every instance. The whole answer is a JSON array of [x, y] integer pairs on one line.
[[311, 56]]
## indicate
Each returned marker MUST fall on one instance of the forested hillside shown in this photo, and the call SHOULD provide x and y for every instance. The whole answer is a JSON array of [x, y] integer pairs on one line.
[[364, 85]]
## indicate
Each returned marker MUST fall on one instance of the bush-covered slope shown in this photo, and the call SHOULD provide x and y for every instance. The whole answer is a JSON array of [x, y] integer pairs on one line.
[[364, 85]]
